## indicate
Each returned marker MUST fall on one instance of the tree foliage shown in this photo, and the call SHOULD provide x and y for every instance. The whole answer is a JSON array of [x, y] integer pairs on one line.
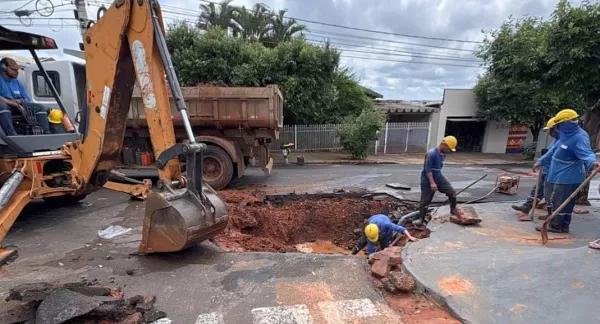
[[536, 67], [357, 134], [315, 88], [255, 23], [514, 87]]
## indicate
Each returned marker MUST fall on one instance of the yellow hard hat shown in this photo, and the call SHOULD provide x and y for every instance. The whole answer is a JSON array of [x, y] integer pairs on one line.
[[55, 116], [451, 142], [372, 232], [551, 122], [565, 115]]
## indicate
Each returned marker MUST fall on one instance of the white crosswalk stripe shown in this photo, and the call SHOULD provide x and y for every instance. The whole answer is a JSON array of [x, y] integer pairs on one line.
[[339, 312], [210, 318], [297, 314], [334, 312]]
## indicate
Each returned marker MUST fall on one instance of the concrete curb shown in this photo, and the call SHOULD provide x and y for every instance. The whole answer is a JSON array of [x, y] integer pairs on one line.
[[351, 162], [432, 292]]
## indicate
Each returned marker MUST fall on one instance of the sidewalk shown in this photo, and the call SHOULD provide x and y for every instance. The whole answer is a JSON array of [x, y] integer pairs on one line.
[[407, 158]]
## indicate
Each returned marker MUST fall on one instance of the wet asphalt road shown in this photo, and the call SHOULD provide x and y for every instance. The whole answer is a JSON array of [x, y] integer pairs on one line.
[[315, 178], [63, 245]]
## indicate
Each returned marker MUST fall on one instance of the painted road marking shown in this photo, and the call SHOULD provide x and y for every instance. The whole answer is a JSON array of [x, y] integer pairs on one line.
[[339, 312], [296, 314], [334, 312], [210, 318]]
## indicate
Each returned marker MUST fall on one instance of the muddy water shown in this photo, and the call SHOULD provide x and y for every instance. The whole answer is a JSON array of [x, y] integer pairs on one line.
[[321, 247]]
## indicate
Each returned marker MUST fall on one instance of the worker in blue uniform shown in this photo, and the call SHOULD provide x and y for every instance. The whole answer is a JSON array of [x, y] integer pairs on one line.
[[378, 234], [544, 185], [568, 160], [433, 180]]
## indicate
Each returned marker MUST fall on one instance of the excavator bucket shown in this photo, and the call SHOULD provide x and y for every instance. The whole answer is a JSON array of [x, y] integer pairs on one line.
[[176, 221]]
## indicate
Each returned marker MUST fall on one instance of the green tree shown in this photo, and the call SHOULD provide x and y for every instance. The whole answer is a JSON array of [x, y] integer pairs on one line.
[[283, 28], [221, 16], [513, 86], [315, 88], [574, 54], [358, 133], [254, 23]]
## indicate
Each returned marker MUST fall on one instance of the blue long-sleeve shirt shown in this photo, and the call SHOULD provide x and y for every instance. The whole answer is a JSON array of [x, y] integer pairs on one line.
[[570, 157], [13, 89], [386, 229], [434, 162]]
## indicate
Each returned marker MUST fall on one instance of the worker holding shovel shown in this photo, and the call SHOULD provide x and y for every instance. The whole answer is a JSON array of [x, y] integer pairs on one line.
[[568, 161], [433, 180], [543, 189]]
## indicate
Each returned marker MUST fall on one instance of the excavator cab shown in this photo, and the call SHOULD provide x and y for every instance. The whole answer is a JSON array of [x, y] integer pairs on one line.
[[27, 145], [124, 48]]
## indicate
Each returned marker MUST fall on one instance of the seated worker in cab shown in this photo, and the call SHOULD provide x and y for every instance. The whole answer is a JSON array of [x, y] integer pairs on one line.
[[379, 230], [14, 98]]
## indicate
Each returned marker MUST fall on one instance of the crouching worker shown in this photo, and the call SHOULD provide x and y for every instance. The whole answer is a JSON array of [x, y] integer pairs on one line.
[[379, 231]]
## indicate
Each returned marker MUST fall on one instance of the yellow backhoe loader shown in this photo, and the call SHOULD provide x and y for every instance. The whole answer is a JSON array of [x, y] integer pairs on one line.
[[126, 46]]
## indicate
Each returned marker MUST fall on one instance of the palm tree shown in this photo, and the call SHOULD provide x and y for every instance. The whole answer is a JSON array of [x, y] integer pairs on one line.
[[254, 23], [283, 28], [221, 17]]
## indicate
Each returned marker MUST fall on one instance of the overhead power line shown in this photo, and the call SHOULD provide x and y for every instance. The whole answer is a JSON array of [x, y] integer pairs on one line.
[[360, 29], [395, 50], [399, 61]]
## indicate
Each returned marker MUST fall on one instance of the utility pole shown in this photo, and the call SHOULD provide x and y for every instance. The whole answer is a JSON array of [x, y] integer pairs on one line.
[[81, 16]]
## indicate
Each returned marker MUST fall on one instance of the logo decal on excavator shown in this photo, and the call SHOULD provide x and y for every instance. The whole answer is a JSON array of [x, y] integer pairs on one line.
[[143, 75]]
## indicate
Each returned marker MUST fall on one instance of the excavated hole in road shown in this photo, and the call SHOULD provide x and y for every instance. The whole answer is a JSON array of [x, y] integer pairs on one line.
[[315, 223]]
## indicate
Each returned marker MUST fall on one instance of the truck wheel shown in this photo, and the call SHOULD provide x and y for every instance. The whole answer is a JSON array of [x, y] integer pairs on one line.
[[66, 200], [218, 167]]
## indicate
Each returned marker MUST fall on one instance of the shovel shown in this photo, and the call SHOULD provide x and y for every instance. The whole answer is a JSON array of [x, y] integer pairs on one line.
[[565, 203], [537, 186]]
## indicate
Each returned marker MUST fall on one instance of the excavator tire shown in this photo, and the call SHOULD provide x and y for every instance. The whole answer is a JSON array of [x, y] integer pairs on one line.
[[66, 200], [218, 167]]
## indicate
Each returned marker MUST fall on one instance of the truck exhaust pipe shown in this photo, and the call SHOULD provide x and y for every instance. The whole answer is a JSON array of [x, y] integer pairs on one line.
[[9, 187]]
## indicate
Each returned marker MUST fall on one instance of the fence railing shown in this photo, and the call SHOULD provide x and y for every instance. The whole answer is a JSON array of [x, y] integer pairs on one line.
[[394, 138]]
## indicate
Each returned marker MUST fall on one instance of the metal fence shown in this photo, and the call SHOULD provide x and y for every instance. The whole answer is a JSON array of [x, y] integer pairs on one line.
[[393, 139]]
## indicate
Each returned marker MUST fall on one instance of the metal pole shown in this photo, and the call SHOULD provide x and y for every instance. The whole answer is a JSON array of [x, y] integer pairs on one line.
[[296, 136], [407, 136], [81, 16], [385, 138], [171, 75], [48, 81], [428, 136]]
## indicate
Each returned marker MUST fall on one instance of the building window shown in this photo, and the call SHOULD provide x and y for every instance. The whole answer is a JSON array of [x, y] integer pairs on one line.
[[40, 88]]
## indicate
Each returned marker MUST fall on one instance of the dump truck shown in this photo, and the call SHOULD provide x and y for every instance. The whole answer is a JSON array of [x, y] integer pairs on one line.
[[237, 123]]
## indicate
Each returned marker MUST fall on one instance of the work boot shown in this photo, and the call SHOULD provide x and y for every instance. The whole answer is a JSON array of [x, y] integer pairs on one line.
[[355, 251], [524, 218], [550, 229], [565, 230], [519, 209], [456, 211]]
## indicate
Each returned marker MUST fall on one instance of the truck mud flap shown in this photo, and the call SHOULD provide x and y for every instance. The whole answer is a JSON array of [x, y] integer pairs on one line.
[[178, 220]]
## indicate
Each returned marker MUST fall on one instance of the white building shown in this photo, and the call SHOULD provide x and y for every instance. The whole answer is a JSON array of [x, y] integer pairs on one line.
[[458, 116]]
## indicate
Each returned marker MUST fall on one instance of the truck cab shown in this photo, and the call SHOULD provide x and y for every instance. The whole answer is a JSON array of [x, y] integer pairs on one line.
[[68, 78]]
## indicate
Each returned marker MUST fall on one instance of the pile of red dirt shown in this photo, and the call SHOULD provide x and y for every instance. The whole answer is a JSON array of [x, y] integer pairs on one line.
[[279, 224]]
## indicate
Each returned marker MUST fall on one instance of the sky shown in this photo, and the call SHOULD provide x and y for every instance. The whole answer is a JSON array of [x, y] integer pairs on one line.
[[393, 53]]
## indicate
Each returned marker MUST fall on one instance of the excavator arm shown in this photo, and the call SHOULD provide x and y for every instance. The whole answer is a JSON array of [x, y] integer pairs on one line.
[[125, 47]]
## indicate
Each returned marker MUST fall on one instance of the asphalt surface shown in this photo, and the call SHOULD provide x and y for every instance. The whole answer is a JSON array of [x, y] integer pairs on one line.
[[204, 285], [498, 271]]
